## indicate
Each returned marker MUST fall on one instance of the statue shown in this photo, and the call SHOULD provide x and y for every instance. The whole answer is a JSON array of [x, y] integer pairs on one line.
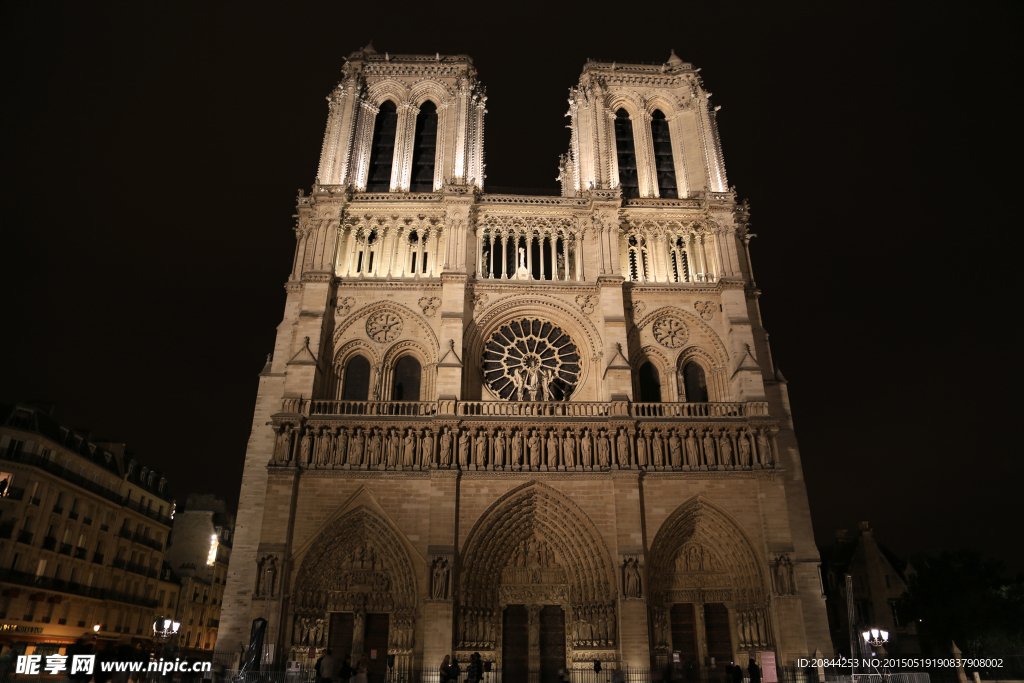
[[375, 446], [517, 448], [532, 382], [446, 447], [764, 450], [480, 454], [341, 446], [284, 444], [692, 451], [744, 447], [440, 586], [622, 448], [545, 379], [709, 449], [409, 454], [534, 444], [519, 383], [725, 448], [603, 449], [676, 449], [464, 449], [355, 448], [394, 444], [553, 449], [427, 450], [522, 258], [569, 449], [657, 457], [499, 449], [632, 583], [585, 449], [304, 454], [641, 449]]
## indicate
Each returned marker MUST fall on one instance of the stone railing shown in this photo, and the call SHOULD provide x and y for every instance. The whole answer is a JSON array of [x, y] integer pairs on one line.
[[698, 410], [570, 409]]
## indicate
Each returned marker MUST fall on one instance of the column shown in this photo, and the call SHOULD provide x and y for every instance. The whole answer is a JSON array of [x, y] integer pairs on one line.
[[480, 253], [540, 252], [490, 257], [529, 253], [565, 255], [504, 254]]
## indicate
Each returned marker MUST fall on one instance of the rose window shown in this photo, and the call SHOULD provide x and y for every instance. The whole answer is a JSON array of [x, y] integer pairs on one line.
[[531, 360]]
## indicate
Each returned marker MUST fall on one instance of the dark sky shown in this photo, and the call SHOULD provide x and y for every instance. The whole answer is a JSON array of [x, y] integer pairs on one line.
[[151, 156]]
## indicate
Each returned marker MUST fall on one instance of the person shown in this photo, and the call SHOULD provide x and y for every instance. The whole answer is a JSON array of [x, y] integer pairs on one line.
[[454, 671], [104, 657], [364, 666], [328, 667], [475, 668], [316, 667], [737, 673], [443, 671], [79, 648], [755, 671], [346, 670]]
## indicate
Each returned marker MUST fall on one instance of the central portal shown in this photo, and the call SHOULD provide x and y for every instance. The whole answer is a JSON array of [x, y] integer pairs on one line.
[[533, 644], [552, 643]]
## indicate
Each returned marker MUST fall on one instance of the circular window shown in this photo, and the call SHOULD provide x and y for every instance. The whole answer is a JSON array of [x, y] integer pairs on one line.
[[531, 360]]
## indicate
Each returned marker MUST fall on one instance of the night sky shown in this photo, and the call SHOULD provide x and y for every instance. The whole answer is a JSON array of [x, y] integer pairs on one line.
[[152, 155]]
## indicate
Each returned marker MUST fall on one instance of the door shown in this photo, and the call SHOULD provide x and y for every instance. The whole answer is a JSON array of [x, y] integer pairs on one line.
[[684, 632], [340, 636], [377, 639], [716, 628], [515, 644], [552, 643]]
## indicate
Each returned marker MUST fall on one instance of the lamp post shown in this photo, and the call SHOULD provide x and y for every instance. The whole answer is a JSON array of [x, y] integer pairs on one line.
[[875, 637], [164, 628]]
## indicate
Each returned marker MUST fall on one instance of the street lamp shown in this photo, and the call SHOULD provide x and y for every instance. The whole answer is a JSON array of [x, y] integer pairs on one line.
[[96, 628], [164, 628], [875, 637]]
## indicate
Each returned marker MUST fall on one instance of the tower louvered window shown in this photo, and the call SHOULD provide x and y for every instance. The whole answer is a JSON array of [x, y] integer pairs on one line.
[[424, 149], [626, 152], [664, 164], [382, 150]]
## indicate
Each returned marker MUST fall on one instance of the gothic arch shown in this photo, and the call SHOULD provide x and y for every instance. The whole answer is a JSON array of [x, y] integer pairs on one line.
[[661, 362], [734, 571], [629, 100], [714, 372], [515, 517], [358, 559], [389, 89], [659, 101], [720, 354], [408, 316], [551, 309], [397, 351], [429, 89]]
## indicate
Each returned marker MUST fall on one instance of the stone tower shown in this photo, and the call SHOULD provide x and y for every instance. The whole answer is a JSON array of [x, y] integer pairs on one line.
[[543, 428]]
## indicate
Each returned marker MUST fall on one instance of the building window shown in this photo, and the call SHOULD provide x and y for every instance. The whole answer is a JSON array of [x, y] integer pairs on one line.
[[357, 380], [626, 152], [695, 384], [407, 380], [664, 165], [650, 383], [382, 151], [424, 149], [895, 615]]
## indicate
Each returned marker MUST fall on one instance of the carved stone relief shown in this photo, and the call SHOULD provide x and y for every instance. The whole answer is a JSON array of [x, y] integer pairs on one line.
[[344, 305], [384, 327], [588, 302], [430, 305], [706, 309], [670, 332]]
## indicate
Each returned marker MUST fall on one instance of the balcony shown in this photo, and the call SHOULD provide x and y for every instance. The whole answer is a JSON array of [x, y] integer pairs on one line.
[[80, 553], [118, 563], [97, 558], [14, 493], [125, 533], [58, 510], [35, 501], [65, 549], [25, 537], [104, 527], [87, 520], [6, 529], [73, 515], [49, 542]]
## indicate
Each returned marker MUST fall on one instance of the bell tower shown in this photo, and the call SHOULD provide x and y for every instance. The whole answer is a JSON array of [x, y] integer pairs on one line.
[[404, 123]]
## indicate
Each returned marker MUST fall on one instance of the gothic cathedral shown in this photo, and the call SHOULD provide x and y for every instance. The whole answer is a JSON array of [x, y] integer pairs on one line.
[[547, 429]]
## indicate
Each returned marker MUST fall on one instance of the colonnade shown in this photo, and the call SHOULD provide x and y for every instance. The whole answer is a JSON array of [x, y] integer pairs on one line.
[[390, 251], [508, 254]]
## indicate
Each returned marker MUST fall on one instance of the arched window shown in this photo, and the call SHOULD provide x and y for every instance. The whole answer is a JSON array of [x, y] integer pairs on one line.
[[696, 385], [382, 150], [650, 383], [638, 257], [407, 380], [664, 165], [680, 263], [424, 149], [627, 154], [357, 380]]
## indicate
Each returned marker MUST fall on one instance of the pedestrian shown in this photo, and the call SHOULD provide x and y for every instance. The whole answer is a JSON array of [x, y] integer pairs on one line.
[[737, 673], [454, 671], [328, 667], [316, 668], [346, 670], [475, 669], [362, 669], [442, 673], [79, 648], [755, 671]]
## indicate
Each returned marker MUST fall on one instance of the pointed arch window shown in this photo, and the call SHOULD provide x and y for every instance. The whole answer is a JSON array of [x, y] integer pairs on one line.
[[664, 165], [650, 383], [424, 149], [626, 151], [695, 383], [406, 386], [357, 380], [382, 149]]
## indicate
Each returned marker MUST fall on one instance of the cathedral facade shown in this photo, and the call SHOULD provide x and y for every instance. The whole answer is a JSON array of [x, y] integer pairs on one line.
[[542, 428]]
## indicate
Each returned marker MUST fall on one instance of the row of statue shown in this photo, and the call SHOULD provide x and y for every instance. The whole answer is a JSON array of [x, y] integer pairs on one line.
[[696, 558], [593, 626], [752, 627], [525, 448], [320, 601], [311, 632], [478, 627]]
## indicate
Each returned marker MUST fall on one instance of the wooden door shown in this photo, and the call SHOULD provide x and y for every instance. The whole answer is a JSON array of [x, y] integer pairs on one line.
[[552, 643], [717, 634], [340, 637], [515, 644], [377, 639], [684, 632]]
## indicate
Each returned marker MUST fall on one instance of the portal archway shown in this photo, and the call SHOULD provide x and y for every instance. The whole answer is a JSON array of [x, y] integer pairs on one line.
[[708, 585], [533, 561]]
